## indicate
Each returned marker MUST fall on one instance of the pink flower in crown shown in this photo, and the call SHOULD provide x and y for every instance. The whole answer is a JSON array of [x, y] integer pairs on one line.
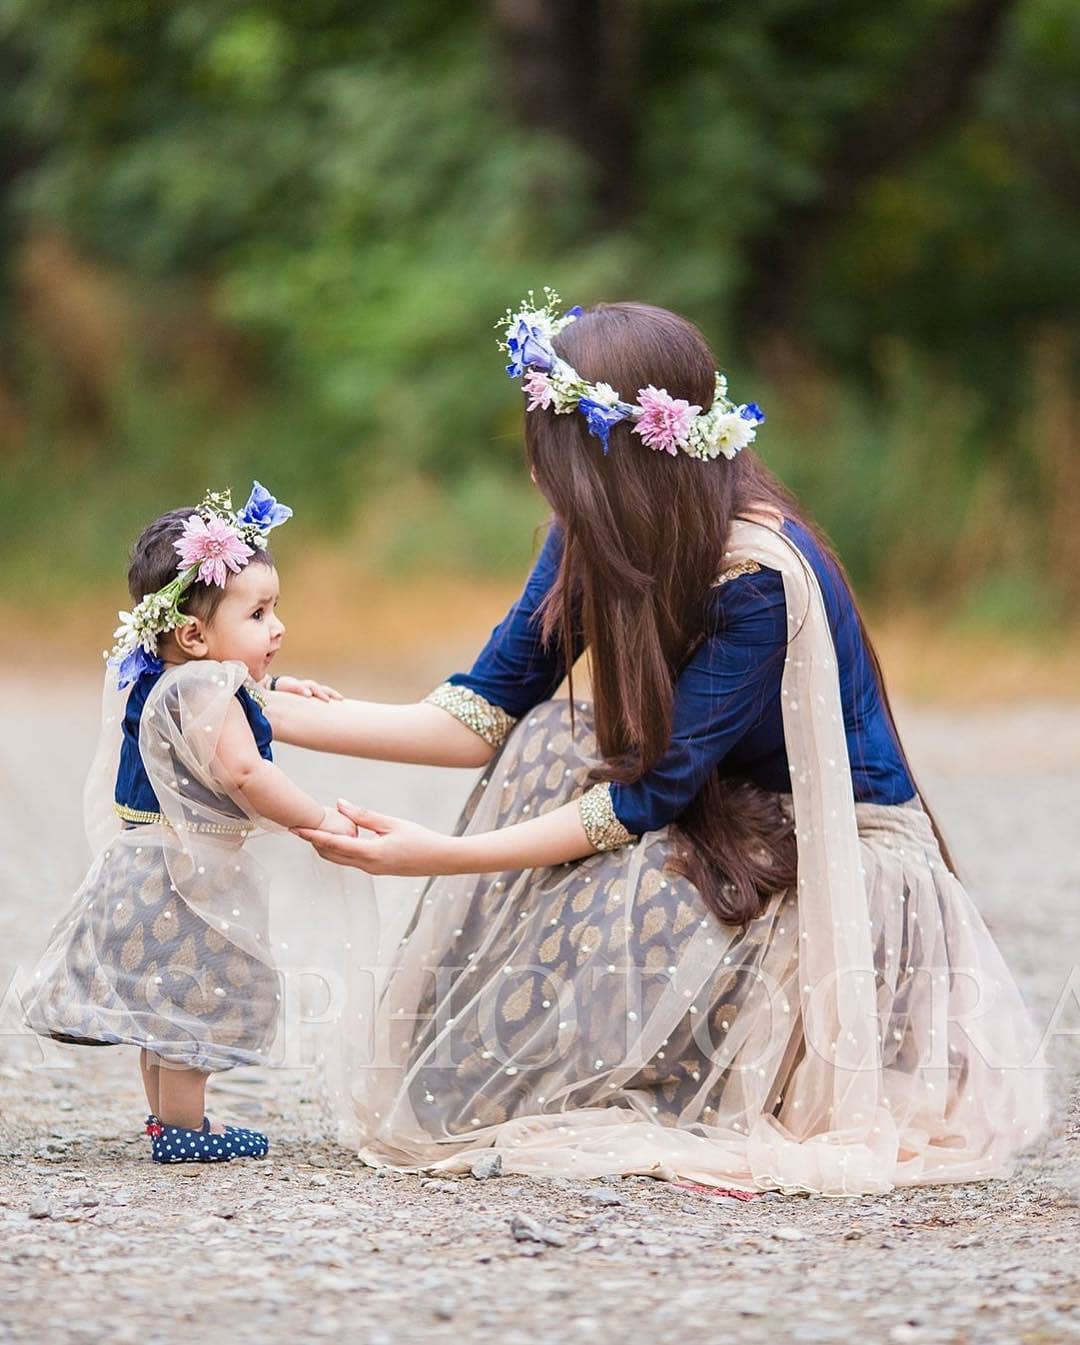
[[665, 421], [538, 387], [214, 547]]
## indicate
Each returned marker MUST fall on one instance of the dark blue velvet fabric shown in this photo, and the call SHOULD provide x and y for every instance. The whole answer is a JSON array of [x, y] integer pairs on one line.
[[727, 713], [133, 788]]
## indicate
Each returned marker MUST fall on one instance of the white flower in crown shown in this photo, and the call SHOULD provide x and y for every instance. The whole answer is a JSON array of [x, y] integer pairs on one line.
[[135, 628], [605, 394], [567, 386], [732, 433], [725, 428], [545, 317], [153, 616]]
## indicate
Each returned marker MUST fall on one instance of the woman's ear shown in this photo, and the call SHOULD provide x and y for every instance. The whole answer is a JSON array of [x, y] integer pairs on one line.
[[191, 639]]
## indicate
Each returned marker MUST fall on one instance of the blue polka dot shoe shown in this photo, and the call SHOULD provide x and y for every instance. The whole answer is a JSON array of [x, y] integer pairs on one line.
[[178, 1144], [247, 1143]]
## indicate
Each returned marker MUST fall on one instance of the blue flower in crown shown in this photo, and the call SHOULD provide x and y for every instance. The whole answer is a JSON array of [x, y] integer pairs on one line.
[[752, 412], [528, 347], [132, 666], [262, 511], [600, 417]]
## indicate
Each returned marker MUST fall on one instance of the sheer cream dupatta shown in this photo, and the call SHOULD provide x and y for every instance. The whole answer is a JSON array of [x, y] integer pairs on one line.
[[966, 1090], [841, 1137], [253, 886]]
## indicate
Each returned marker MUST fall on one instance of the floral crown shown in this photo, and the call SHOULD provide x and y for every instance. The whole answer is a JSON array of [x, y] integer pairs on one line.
[[214, 541], [665, 423]]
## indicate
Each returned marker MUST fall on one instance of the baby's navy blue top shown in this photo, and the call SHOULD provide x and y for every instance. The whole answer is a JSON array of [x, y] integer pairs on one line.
[[727, 713], [133, 788]]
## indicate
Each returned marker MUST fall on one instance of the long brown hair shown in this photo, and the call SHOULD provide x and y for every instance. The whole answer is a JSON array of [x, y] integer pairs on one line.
[[644, 537]]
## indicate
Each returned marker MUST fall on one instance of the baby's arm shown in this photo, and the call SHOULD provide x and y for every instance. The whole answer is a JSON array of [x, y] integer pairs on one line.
[[264, 787], [300, 686]]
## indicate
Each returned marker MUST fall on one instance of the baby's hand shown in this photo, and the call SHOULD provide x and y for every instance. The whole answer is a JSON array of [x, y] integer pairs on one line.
[[335, 823], [305, 686]]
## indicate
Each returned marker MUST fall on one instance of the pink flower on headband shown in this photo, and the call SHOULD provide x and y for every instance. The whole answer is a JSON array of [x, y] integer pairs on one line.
[[214, 547], [665, 421], [538, 387]]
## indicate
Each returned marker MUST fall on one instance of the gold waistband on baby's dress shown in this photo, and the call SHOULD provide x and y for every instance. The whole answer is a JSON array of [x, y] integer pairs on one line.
[[141, 817]]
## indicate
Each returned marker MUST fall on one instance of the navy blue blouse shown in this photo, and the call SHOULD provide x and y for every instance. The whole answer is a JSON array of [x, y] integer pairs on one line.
[[134, 793], [727, 713]]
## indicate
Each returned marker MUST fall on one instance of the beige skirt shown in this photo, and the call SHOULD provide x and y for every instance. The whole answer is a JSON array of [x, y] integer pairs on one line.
[[595, 1018]]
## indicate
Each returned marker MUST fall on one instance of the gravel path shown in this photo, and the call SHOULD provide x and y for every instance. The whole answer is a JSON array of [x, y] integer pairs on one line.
[[96, 1243]]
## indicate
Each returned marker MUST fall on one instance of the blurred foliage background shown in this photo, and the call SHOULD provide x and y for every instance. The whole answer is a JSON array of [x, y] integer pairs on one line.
[[271, 239]]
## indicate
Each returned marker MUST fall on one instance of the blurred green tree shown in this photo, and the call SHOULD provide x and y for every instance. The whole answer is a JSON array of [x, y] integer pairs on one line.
[[348, 196]]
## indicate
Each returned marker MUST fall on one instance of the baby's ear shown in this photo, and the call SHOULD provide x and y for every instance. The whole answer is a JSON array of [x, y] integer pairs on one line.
[[191, 639]]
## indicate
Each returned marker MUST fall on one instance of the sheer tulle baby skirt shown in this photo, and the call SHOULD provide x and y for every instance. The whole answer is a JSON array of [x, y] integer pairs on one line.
[[594, 1018], [134, 962]]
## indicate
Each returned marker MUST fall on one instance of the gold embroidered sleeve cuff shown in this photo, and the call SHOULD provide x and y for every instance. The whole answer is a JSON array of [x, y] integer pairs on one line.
[[603, 828], [491, 722]]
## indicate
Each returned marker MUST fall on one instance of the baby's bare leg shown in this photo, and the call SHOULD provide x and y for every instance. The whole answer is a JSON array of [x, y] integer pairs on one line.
[[182, 1097], [149, 1067]]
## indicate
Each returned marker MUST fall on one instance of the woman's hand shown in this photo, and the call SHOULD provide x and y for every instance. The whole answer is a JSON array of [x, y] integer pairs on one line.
[[304, 686], [334, 823], [384, 845]]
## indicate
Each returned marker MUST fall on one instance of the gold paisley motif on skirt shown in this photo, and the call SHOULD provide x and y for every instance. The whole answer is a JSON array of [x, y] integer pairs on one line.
[[546, 986], [572, 925], [133, 963]]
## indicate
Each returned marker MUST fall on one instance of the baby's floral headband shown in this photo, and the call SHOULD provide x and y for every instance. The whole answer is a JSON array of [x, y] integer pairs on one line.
[[665, 423], [214, 542]]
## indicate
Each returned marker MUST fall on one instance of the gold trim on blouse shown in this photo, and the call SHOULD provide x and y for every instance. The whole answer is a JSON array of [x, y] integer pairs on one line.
[[602, 826], [143, 817], [491, 722], [734, 571], [256, 694]]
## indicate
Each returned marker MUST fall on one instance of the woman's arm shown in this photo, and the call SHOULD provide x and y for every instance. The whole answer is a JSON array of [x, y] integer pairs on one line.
[[464, 720], [421, 734], [394, 846]]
